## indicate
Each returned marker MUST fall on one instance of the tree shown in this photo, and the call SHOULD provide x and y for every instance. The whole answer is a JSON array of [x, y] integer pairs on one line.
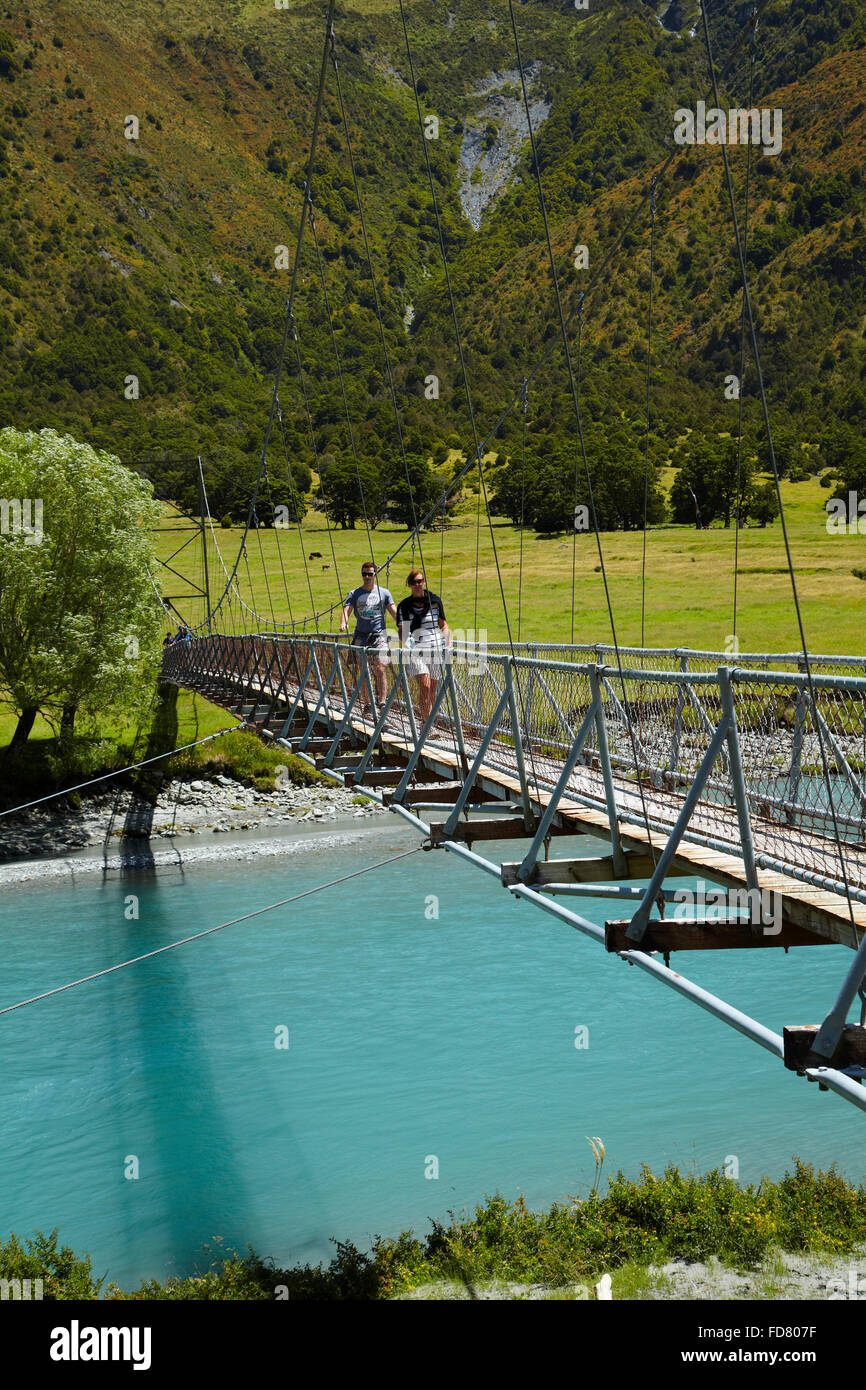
[[409, 501], [705, 488], [341, 495], [555, 482], [80, 624]]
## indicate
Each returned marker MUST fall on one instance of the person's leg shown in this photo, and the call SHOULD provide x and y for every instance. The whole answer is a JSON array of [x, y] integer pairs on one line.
[[380, 680], [426, 693]]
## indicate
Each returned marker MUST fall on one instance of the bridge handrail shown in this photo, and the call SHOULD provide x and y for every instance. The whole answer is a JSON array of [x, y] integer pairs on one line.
[[730, 659]]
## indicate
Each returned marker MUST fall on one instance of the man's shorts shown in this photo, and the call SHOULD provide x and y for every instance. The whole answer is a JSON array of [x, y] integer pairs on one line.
[[375, 642]]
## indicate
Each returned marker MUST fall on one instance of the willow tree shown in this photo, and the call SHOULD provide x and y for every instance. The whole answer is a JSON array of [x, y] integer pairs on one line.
[[80, 624]]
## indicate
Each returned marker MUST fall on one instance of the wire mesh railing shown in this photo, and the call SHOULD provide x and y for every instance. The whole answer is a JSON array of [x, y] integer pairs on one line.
[[801, 744]]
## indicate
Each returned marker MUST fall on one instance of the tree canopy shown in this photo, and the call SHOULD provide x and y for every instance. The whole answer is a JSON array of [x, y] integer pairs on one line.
[[80, 624]]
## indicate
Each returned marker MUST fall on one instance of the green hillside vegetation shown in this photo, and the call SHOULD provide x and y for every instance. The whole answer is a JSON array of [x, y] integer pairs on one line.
[[153, 258]]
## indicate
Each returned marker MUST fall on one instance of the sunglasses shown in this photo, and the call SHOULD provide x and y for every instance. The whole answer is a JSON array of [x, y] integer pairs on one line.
[[368, 574], [418, 581]]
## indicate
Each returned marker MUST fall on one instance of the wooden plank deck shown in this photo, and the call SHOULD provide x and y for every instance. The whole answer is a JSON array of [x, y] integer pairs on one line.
[[805, 907]]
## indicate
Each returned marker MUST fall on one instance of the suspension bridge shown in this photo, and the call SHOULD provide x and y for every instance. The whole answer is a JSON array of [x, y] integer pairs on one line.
[[538, 742], [675, 765]]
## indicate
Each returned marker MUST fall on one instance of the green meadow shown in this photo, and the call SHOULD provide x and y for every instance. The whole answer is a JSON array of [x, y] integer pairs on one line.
[[689, 586]]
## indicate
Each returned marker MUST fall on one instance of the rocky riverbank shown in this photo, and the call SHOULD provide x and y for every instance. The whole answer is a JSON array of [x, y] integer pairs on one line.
[[201, 806]]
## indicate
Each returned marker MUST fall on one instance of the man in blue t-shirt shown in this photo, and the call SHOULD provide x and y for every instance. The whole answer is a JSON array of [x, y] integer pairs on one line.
[[369, 603]]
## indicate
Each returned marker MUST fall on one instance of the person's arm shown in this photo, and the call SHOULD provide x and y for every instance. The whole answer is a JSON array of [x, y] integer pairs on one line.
[[392, 609], [344, 619], [443, 626]]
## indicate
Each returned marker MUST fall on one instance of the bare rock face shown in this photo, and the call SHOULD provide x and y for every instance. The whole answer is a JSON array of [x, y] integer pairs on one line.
[[493, 139]]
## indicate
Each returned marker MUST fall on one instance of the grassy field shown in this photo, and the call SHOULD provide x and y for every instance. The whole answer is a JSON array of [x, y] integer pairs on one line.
[[689, 584], [689, 579]]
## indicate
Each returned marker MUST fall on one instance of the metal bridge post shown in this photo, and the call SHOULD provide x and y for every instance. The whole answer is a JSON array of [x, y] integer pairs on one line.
[[458, 723], [300, 695], [827, 1039], [738, 781], [619, 861], [853, 781], [245, 688], [358, 773], [469, 780], [345, 723], [508, 672], [678, 717], [640, 920], [400, 789], [797, 750], [528, 864], [321, 703]]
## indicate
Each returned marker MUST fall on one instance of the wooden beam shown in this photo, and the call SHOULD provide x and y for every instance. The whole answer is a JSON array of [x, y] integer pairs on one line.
[[484, 829], [798, 1043], [668, 935], [346, 761], [391, 776], [582, 870]]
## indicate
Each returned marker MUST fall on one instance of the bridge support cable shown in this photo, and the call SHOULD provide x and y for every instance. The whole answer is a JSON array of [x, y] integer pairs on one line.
[[478, 447], [596, 278], [209, 931], [288, 463], [576, 404], [578, 381], [351, 433], [263, 562], [119, 772], [830, 1032], [524, 403], [649, 359], [374, 284], [753, 23], [290, 299], [342, 387], [277, 541]]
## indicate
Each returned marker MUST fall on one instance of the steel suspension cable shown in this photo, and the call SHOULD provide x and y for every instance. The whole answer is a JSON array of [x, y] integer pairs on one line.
[[595, 521], [376, 300], [595, 280], [525, 404], [467, 391], [756, 357], [258, 530], [277, 530], [119, 772], [742, 376], [290, 299], [576, 465], [649, 358], [289, 468], [209, 931], [344, 394]]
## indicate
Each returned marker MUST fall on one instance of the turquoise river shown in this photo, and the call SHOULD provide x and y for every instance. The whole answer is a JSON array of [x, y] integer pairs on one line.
[[411, 1037]]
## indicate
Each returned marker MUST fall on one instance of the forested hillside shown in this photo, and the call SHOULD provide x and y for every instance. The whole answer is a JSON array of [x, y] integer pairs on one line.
[[142, 286]]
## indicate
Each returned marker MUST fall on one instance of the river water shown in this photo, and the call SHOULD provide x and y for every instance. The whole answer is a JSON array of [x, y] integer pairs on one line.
[[415, 1043]]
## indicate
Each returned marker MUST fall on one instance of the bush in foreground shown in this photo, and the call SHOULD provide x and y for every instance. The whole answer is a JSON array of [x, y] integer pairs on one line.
[[636, 1223]]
